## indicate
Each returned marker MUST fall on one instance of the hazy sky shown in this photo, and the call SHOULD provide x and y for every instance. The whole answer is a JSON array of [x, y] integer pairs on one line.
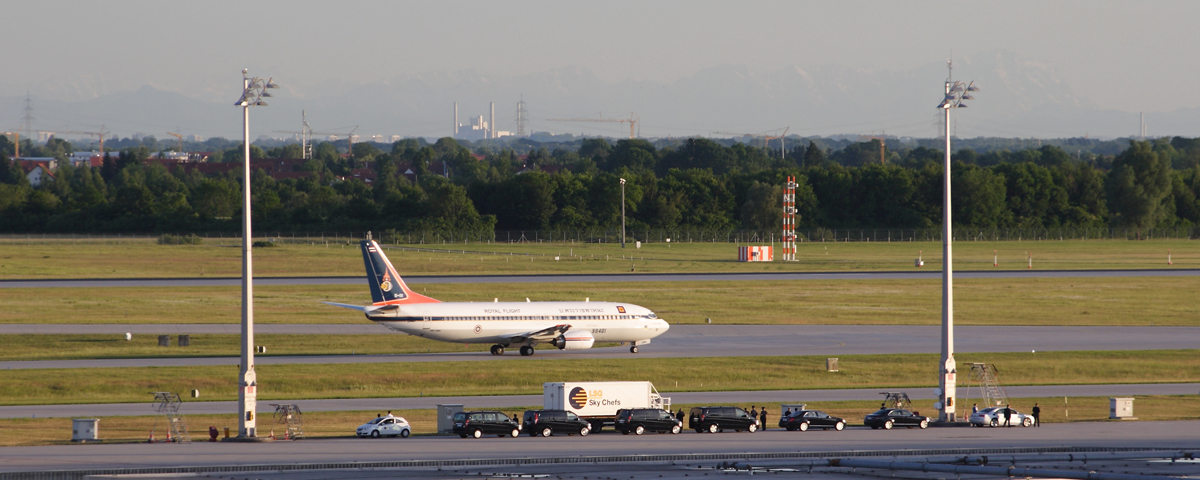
[[1130, 56]]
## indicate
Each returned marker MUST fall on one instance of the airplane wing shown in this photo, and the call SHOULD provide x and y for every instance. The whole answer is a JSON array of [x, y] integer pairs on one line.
[[543, 335]]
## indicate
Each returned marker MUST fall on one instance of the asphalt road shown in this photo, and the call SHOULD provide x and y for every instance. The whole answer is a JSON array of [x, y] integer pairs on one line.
[[679, 341], [620, 277], [743, 398], [1167, 435]]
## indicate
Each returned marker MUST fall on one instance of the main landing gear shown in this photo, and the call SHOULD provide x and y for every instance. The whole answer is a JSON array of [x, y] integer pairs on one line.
[[526, 350], [633, 349]]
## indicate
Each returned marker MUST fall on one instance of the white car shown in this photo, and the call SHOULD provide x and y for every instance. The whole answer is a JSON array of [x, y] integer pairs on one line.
[[994, 417], [388, 426]]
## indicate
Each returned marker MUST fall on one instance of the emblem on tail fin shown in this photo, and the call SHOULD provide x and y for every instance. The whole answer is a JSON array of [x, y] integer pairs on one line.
[[387, 288]]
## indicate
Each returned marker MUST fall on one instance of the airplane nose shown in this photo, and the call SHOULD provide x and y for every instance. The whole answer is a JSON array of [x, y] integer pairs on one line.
[[664, 325]]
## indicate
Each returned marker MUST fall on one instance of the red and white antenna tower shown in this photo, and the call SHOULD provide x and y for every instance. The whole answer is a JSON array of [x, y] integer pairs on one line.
[[789, 220]]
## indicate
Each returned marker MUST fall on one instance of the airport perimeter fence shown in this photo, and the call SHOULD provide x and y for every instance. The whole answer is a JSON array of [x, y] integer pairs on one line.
[[738, 237]]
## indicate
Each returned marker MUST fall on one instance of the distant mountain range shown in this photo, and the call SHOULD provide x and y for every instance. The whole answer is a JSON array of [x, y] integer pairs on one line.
[[1018, 99]]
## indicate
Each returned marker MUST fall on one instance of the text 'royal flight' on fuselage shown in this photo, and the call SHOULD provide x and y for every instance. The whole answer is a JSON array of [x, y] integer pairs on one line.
[[563, 325]]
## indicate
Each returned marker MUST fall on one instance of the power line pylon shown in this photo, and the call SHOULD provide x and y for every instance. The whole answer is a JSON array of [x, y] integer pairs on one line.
[[28, 118], [522, 117]]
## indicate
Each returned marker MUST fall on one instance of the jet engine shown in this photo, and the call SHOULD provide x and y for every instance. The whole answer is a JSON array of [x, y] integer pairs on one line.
[[574, 340]]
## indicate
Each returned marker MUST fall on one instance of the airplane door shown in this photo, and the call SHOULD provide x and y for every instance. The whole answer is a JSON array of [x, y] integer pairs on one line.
[[425, 324]]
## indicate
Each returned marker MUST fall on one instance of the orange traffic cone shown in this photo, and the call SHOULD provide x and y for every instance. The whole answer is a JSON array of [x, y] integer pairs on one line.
[[272, 434], [168, 436], [151, 440]]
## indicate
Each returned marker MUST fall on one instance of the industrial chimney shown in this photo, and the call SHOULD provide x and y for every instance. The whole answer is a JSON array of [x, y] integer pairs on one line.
[[456, 119], [492, 122]]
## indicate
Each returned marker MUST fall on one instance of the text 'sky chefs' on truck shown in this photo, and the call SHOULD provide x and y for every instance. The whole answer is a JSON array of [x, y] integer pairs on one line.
[[598, 402]]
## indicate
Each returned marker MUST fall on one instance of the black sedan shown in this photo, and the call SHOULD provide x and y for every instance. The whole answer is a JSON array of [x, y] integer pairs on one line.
[[803, 420], [887, 418]]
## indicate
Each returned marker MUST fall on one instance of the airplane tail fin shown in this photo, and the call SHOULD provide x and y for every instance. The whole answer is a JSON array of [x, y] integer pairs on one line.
[[387, 288]]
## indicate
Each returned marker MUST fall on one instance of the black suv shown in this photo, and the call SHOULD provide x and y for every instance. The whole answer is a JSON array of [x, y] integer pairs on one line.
[[716, 419], [478, 424], [641, 420], [546, 422]]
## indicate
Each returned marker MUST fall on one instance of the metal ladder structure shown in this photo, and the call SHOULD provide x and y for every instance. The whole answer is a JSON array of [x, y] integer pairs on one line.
[[896, 400], [986, 376], [290, 416], [659, 401], [167, 404]]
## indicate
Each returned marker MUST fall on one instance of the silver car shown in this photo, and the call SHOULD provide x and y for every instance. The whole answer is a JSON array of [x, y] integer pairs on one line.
[[994, 417]]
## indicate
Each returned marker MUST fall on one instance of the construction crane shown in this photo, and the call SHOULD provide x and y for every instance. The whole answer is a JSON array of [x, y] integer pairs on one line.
[[766, 138], [100, 135], [882, 147], [17, 153], [632, 120], [178, 136], [306, 132]]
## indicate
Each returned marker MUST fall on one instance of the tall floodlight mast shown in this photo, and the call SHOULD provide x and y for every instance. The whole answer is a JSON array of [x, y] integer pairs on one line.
[[253, 91], [955, 93], [622, 213]]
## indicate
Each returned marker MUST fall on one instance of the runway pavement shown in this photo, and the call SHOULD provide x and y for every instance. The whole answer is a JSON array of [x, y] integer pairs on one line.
[[679, 341], [346, 453], [622, 277], [677, 398]]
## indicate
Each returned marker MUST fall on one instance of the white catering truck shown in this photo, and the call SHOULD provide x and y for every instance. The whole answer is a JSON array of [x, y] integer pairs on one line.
[[598, 402]]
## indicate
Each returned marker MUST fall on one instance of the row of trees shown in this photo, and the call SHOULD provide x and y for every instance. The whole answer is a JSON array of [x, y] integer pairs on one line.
[[697, 183]]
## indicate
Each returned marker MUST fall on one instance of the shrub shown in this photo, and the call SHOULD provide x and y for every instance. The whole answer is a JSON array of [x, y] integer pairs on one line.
[[168, 239]]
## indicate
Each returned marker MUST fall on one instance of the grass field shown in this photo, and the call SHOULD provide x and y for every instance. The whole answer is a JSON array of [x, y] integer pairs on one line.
[[57, 431], [284, 382], [145, 259], [72, 347], [1032, 301]]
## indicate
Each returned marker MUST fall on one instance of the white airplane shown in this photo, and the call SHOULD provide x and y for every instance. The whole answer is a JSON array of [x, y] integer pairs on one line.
[[565, 325]]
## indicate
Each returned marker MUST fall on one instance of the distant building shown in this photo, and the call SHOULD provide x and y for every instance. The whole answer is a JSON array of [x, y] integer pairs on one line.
[[173, 155], [50, 162], [38, 171], [86, 159], [476, 130]]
